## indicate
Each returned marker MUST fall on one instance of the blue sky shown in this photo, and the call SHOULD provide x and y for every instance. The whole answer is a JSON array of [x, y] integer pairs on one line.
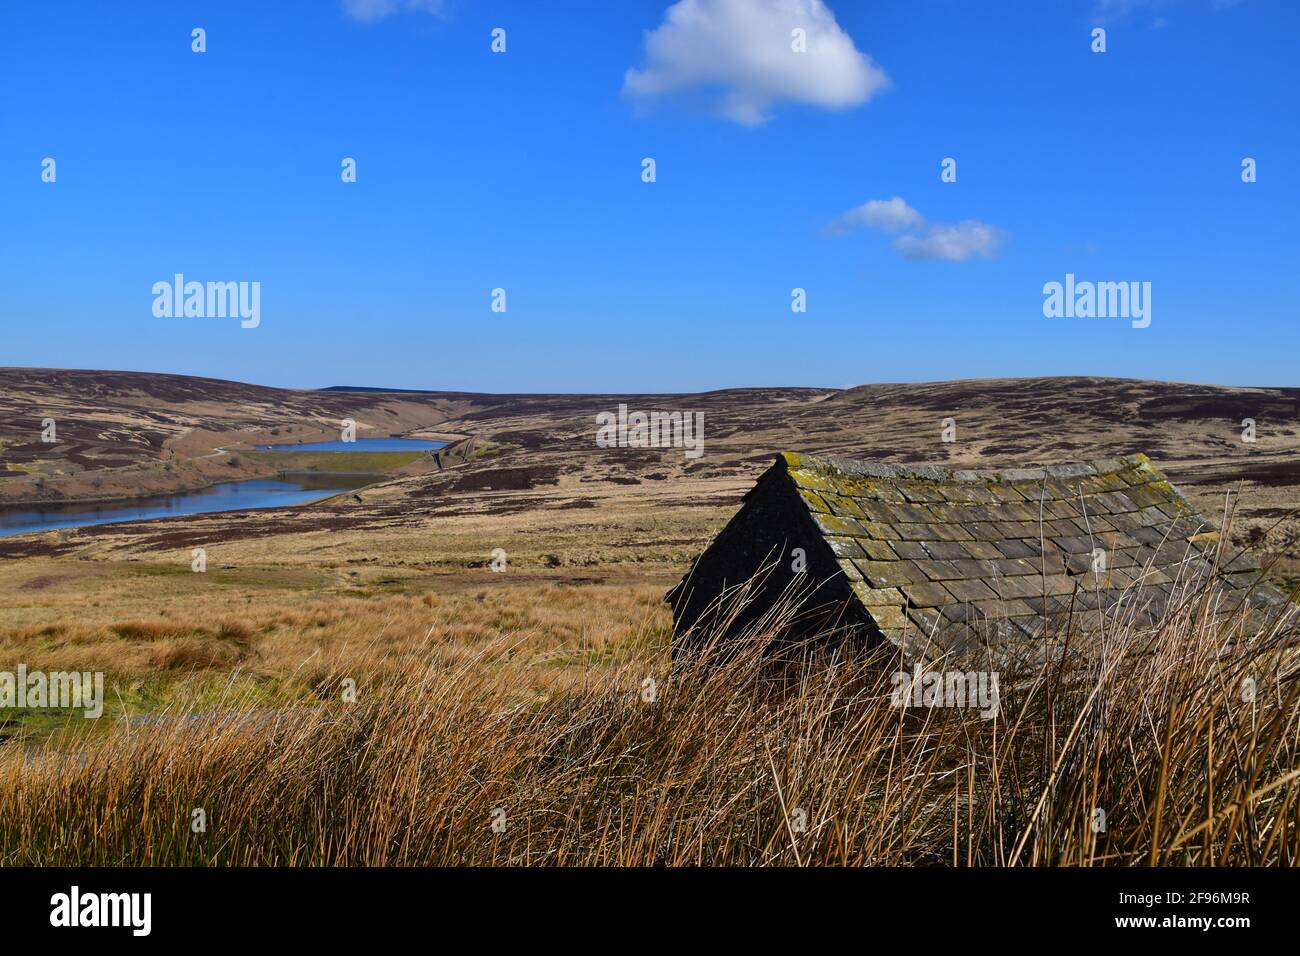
[[522, 171]]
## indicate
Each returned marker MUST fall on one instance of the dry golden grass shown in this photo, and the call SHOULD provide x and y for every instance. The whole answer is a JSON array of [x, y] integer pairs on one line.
[[718, 761], [291, 641]]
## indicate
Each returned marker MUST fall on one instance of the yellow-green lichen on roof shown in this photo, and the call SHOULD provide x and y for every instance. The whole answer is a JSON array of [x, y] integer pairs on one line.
[[940, 558]]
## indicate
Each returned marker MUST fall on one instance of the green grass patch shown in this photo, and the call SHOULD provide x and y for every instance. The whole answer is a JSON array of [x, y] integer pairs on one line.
[[162, 697], [260, 577], [346, 462]]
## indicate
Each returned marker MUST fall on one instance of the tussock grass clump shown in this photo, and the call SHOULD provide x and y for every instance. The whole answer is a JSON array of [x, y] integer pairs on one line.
[[144, 630], [1176, 743]]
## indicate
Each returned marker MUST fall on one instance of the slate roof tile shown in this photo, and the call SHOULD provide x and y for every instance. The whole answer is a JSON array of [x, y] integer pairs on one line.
[[929, 594], [840, 505], [952, 532], [1022, 586], [850, 569], [981, 549], [940, 570], [873, 597], [911, 550], [834, 524], [1015, 548], [890, 574], [845, 547], [814, 501], [945, 549], [1001, 608], [878, 550], [971, 589]]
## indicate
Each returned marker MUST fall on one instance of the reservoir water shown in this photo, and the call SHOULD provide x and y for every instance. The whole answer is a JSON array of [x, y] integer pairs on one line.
[[294, 489], [228, 496], [361, 444]]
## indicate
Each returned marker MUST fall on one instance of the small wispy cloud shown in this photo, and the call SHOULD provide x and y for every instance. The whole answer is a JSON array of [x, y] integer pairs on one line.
[[743, 51], [968, 239], [368, 10], [891, 215]]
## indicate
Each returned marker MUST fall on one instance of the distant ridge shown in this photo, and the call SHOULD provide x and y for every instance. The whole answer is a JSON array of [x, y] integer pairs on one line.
[[372, 388]]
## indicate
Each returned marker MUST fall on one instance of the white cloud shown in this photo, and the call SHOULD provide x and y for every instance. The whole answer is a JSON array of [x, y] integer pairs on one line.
[[891, 215], [366, 10], [742, 51], [969, 239]]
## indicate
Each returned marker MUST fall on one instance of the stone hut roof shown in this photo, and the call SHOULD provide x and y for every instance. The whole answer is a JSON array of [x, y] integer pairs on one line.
[[937, 560]]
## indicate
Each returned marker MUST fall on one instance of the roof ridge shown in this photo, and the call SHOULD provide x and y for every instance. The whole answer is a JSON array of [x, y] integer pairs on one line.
[[860, 468]]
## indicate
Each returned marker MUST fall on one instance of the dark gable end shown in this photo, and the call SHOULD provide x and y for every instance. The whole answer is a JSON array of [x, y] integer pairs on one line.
[[756, 552], [937, 560]]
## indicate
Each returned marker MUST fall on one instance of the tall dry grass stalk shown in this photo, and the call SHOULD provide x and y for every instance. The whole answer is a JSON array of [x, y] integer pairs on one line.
[[1140, 746]]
